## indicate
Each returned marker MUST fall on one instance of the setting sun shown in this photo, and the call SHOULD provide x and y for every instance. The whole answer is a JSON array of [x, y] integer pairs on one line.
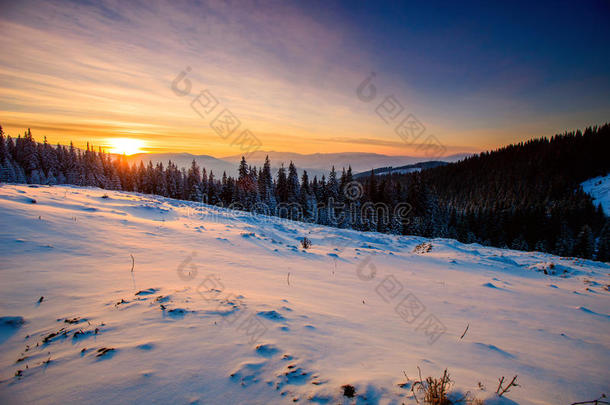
[[127, 146]]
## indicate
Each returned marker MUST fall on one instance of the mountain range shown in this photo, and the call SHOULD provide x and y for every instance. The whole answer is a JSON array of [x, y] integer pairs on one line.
[[316, 164]]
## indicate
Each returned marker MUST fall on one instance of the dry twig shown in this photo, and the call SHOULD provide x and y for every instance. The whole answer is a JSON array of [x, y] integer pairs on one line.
[[502, 390], [464, 334]]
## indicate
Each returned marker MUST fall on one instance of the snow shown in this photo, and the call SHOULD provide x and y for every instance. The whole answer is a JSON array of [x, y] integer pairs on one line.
[[226, 307], [599, 189], [399, 171]]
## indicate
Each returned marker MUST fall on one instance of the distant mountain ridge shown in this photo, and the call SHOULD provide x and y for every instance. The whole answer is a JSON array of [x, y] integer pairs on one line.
[[360, 161], [218, 166], [316, 164]]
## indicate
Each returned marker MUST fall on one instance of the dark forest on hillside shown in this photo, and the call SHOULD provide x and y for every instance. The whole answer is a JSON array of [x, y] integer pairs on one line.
[[524, 196]]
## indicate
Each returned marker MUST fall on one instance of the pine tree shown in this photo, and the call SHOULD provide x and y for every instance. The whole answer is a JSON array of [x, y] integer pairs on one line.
[[307, 200], [51, 180], [265, 186], [160, 186], [540, 246], [48, 158], [30, 160], [333, 212], [193, 183], [603, 243], [7, 172], [518, 244], [333, 185], [282, 185], [37, 177], [3, 150], [71, 166], [246, 195], [227, 190], [585, 243], [212, 189], [293, 187], [396, 225]]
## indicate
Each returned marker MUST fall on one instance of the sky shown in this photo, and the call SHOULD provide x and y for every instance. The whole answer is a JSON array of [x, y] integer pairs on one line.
[[475, 75]]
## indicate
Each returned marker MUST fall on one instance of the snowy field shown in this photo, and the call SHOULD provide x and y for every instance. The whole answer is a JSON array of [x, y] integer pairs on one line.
[[599, 189], [227, 308]]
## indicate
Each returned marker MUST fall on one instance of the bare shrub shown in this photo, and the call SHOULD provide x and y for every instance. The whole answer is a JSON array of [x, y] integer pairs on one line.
[[349, 390], [422, 248], [306, 242], [435, 389]]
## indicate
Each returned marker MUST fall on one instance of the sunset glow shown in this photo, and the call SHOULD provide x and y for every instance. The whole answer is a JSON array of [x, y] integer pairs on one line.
[[125, 146]]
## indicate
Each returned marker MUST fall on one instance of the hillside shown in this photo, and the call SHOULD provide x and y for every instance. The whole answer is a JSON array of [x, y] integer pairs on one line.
[[599, 188], [526, 196], [83, 323], [383, 171]]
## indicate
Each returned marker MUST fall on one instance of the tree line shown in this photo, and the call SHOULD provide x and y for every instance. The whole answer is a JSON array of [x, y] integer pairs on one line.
[[284, 193], [524, 196]]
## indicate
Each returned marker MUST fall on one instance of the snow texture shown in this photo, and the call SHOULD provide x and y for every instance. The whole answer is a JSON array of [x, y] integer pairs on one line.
[[225, 307], [599, 189]]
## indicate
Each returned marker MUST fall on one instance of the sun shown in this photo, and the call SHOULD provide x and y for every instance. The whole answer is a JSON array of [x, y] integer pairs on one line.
[[126, 146]]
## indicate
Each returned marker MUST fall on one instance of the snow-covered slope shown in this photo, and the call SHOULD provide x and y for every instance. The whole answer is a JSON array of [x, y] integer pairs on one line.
[[599, 189], [226, 308]]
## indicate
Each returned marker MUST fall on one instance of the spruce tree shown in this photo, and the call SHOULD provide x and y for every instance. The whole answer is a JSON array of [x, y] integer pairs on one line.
[[3, 150], [193, 183], [585, 243], [603, 243], [292, 185], [307, 200], [332, 198], [282, 185], [265, 185]]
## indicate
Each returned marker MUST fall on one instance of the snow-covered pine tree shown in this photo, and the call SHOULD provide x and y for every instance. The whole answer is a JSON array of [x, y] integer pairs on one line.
[[265, 186], [193, 182], [332, 195], [307, 200], [282, 185], [3, 150], [212, 189]]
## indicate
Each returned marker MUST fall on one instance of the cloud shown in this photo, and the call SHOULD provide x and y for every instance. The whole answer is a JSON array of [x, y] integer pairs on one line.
[[402, 147]]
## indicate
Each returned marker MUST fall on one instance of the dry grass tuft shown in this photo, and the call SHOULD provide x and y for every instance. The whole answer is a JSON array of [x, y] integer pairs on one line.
[[422, 248]]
